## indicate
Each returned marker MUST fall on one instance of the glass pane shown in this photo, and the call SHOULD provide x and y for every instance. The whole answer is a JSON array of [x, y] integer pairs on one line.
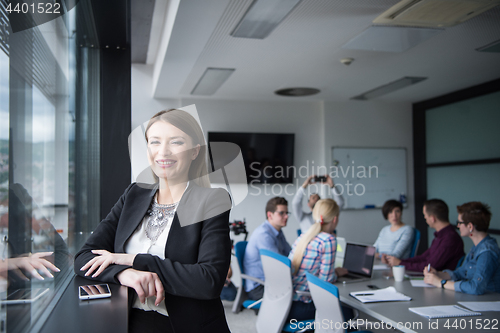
[[466, 130], [49, 88], [460, 184], [4, 152]]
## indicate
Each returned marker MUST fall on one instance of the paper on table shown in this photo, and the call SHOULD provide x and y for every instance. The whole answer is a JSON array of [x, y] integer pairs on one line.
[[389, 294], [420, 283], [380, 267], [443, 311], [481, 306]]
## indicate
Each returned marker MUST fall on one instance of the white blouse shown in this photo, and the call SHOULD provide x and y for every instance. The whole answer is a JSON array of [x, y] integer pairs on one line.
[[140, 243]]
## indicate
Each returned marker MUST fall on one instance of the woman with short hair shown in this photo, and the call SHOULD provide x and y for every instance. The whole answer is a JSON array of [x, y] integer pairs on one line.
[[397, 238]]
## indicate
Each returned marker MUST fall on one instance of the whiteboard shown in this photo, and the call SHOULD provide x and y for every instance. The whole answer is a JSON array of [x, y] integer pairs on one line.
[[368, 177]]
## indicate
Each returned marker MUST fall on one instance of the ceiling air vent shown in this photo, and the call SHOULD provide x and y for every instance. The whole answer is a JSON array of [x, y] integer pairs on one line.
[[434, 13]]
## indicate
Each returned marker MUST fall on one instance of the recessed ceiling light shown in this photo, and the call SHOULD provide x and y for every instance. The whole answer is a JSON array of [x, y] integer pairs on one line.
[[263, 17], [297, 92], [390, 39], [434, 13], [211, 81], [390, 87]]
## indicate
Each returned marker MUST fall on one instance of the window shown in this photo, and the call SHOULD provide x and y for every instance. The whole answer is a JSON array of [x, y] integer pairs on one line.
[[49, 155], [459, 157]]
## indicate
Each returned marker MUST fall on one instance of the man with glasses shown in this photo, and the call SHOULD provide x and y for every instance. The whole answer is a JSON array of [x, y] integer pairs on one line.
[[447, 246], [267, 236], [305, 218]]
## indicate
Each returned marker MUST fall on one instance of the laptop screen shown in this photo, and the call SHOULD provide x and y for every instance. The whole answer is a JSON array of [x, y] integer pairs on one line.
[[359, 259]]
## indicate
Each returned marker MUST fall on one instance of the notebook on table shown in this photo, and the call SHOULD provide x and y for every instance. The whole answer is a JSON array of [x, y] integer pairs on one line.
[[389, 294], [358, 260], [443, 311]]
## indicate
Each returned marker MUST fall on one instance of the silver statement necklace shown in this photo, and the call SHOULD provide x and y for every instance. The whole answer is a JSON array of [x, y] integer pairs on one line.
[[159, 217]]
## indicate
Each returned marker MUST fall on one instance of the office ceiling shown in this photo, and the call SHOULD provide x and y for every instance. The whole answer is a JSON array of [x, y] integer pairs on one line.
[[305, 51]]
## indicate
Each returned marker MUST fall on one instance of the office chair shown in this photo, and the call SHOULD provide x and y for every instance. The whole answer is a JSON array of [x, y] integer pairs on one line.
[[416, 242], [326, 299], [240, 299], [278, 294]]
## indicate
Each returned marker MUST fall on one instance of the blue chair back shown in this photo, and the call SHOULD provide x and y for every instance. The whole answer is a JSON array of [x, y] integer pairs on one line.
[[460, 261], [239, 252], [416, 242], [326, 299]]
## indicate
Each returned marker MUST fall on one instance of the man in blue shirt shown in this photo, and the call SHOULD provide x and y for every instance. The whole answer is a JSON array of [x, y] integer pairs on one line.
[[267, 236]]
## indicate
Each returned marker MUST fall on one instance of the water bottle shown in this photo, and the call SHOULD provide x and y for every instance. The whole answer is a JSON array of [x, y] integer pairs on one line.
[[402, 198]]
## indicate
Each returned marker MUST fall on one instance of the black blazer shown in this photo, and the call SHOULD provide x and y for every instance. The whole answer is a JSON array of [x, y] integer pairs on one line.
[[197, 254]]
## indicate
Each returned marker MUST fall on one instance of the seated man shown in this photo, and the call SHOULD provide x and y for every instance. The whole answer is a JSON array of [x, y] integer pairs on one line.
[[480, 272], [267, 236], [447, 247], [306, 219]]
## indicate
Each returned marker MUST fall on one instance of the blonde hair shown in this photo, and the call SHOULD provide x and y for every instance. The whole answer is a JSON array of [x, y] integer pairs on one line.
[[326, 210], [198, 172]]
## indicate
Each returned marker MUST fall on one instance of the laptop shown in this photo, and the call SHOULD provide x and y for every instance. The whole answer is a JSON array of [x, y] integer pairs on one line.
[[358, 260]]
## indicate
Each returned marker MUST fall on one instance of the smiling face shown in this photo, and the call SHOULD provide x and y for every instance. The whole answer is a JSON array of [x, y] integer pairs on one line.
[[170, 152]]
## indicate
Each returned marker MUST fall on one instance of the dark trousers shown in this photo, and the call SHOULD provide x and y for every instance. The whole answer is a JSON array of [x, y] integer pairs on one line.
[[301, 311], [228, 293], [305, 311], [140, 321], [256, 293]]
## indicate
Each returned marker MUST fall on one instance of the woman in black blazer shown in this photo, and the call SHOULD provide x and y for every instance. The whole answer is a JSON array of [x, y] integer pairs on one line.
[[170, 243]]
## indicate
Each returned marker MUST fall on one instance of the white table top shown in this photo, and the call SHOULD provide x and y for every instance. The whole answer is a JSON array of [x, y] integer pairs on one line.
[[397, 312]]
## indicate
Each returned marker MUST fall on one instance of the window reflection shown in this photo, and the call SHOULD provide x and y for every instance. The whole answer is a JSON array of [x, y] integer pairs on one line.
[[49, 158]]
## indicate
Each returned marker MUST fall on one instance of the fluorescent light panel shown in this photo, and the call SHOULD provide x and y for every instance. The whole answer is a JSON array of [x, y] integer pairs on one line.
[[262, 17], [492, 47], [211, 81], [390, 39], [390, 87], [434, 13]]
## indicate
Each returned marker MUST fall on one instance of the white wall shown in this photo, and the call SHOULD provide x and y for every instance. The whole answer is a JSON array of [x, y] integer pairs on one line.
[[370, 124], [317, 127]]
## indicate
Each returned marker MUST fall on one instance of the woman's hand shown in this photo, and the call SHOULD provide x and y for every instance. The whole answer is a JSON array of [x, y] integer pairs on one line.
[[33, 264], [393, 261], [104, 259], [430, 270], [145, 284], [432, 278], [383, 258]]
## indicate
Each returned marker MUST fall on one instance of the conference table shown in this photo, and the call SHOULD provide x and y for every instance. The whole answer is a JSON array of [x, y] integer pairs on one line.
[[397, 315]]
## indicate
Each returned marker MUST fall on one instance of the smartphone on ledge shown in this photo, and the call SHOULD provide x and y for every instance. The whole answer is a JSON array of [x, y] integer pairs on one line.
[[94, 291]]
